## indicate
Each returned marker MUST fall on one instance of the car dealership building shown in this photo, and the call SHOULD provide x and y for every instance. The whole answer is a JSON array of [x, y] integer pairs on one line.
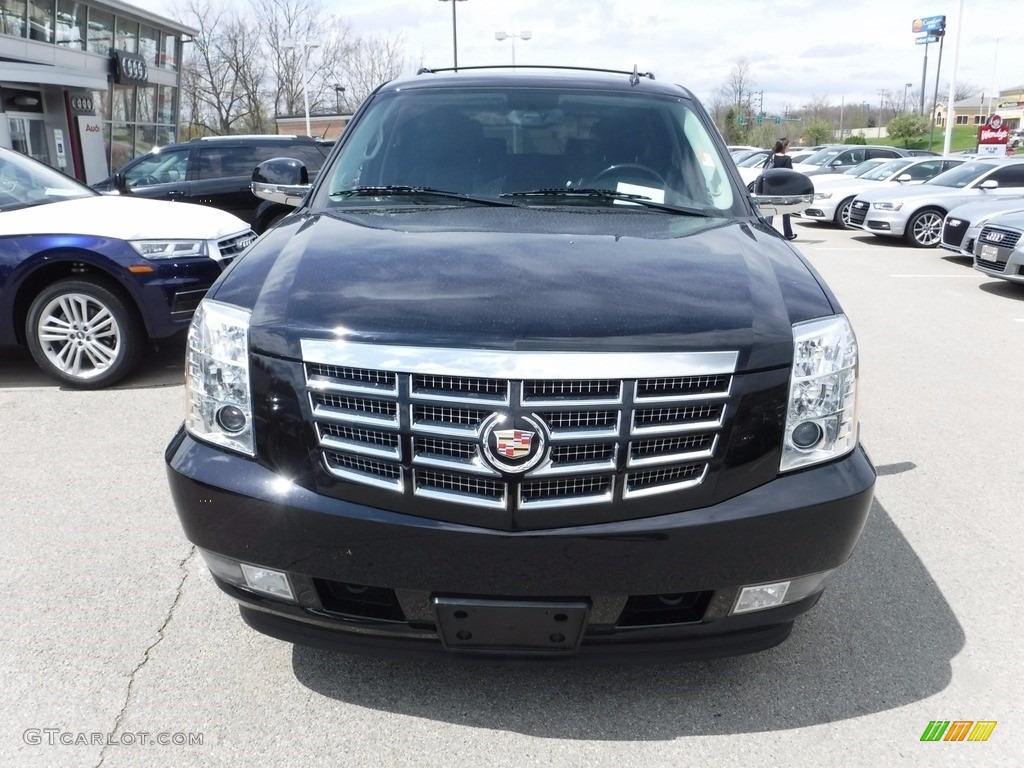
[[85, 87]]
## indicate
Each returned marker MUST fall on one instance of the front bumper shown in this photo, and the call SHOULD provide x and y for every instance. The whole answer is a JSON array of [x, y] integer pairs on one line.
[[1012, 269], [804, 523]]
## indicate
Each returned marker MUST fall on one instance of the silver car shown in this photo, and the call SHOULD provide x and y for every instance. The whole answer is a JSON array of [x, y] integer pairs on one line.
[[916, 213], [962, 225], [999, 249], [834, 194]]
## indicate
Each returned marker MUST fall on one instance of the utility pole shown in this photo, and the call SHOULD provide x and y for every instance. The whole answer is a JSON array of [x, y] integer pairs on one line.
[[881, 103]]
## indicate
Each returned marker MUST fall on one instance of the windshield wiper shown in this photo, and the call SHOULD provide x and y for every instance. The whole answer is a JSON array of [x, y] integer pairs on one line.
[[608, 194], [392, 190]]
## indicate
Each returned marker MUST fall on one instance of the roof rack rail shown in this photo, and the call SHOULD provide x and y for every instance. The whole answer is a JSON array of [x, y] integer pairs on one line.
[[233, 136], [634, 73]]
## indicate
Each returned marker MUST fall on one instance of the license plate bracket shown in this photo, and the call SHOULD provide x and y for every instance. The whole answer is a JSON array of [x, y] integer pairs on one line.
[[519, 627], [989, 253]]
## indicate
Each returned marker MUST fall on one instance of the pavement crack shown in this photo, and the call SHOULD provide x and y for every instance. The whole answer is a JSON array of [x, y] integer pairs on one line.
[[183, 567]]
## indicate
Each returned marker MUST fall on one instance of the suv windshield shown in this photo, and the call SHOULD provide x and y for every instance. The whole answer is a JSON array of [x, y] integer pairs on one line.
[[24, 181], [504, 141]]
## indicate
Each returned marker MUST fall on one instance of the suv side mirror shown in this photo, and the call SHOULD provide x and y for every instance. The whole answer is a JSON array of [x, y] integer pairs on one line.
[[904, 177], [989, 184], [781, 190], [282, 180]]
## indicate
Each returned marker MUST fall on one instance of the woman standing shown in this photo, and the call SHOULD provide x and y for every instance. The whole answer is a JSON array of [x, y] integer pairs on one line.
[[779, 159]]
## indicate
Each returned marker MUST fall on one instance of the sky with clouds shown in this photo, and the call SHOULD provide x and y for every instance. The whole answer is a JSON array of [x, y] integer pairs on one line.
[[798, 51]]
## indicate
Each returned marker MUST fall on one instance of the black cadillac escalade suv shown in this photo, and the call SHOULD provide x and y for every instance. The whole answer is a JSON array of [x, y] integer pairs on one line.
[[526, 375]]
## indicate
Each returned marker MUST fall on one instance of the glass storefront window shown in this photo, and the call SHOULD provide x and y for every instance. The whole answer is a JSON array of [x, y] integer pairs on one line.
[[169, 53], [165, 112], [122, 145], [149, 40], [101, 31], [40, 20], [146, 112], [12, 17], [101, 103], [71, 24], [123, 107], [126, 36], [165, 135], [145, 139]]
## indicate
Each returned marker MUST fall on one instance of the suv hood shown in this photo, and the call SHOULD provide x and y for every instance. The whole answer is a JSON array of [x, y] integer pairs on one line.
[[121, 218], [527, 279]]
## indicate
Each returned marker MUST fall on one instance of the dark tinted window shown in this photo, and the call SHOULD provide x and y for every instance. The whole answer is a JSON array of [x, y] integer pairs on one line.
[[923, 171], [1010, 176], [163, 167], [217, 162], [311, 157], [882, 153]]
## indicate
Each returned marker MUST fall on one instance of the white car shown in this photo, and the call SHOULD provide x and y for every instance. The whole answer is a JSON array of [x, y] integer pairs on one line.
[[999, 249], [963, 224], [834, 194], [916, 213]]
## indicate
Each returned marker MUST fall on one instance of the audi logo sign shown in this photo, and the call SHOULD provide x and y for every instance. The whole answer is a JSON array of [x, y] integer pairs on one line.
[[130, 68], [81, 103]]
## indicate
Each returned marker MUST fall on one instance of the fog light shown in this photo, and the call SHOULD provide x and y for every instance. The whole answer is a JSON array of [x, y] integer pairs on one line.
[[267, 581], [760, 597]]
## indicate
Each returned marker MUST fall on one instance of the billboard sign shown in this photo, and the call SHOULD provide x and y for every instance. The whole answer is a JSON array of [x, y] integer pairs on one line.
[[929, 24]]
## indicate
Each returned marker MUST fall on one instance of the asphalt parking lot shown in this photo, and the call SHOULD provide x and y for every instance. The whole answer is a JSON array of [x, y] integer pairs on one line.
[[115, 638]]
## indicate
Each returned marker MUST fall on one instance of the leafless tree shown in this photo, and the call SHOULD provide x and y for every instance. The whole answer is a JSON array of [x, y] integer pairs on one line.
[[251, 62]]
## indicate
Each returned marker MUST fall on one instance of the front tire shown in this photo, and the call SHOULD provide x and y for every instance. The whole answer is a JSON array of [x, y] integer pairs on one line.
[[842, 219], [83, 334], [924, 230]]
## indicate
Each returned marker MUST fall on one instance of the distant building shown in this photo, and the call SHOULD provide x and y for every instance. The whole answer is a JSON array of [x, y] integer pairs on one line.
[[320, 126], [1009, 105], [85, 87]]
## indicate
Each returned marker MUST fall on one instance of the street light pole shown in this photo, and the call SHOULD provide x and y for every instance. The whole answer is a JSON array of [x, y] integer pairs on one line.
[[525, 35], [905, 95], [455, 33], [304, 45]]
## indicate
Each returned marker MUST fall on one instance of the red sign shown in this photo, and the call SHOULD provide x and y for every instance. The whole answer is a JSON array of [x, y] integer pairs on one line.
[[994, 131]]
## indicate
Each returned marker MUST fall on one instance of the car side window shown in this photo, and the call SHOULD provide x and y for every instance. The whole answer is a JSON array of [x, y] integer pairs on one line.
[[924, 171], [881, 153], [851, 157], [158, 168], [1010, 176], [221, 162]]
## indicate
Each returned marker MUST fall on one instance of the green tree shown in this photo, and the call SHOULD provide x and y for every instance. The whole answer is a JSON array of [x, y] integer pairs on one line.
[[818, 131], [908, 127]]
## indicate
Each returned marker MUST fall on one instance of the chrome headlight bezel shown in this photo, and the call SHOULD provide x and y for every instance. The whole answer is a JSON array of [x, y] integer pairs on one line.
[[218, 397], [821, 415]]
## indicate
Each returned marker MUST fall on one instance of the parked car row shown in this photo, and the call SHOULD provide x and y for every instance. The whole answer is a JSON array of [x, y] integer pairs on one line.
[[971, 206], [916, 213]]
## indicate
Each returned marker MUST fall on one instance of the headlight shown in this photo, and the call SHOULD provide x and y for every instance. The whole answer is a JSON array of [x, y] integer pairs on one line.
[[169, 249], [218, 405], [821, 420], [887, 206], [822, 195]]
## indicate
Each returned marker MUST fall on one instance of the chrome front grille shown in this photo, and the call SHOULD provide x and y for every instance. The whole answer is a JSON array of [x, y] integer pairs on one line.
[[420, 429], [230, 247]]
